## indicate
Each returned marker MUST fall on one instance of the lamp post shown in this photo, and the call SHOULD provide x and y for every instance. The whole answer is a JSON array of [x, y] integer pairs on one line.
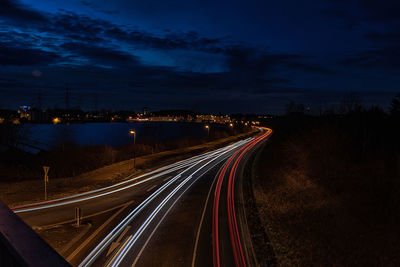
[[208, 131], [132, 132]]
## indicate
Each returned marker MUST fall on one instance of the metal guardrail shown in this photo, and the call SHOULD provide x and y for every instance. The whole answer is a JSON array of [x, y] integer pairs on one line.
[[21, 246]]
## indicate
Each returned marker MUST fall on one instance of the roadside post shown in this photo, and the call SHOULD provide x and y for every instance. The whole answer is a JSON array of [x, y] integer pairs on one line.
[[78, 216], [46, 180]]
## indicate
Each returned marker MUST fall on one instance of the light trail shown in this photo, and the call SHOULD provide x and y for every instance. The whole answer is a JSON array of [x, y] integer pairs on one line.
[[112, 235], [119, 257], [80, 197], [233, 229], [216, 257]]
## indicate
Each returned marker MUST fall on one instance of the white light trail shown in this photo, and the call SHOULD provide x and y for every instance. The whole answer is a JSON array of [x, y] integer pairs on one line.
[[112, 235]]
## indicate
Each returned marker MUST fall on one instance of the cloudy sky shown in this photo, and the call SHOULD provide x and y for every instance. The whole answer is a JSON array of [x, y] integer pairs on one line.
[[203, 55]]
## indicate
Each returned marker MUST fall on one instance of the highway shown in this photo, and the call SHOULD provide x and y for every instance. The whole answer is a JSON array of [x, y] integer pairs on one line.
[[181, 212], [208, 227]]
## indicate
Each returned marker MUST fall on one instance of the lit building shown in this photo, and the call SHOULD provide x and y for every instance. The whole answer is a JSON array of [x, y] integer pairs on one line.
[[24, 112]]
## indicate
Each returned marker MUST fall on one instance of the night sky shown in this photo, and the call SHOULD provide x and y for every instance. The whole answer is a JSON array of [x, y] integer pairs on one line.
[[217, 56]]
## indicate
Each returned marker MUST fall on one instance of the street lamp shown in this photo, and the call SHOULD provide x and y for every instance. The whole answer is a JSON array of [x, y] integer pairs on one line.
[[208, 130], [132, 132]]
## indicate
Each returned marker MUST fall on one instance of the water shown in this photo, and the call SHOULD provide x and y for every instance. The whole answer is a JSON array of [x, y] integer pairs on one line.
[[114, 134]]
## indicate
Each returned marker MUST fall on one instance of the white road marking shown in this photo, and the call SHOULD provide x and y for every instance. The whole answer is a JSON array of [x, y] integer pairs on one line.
[[118, 229], [151, 188], [202, 218], [76, 251], [166, 213], [116, 243], [169, 177]]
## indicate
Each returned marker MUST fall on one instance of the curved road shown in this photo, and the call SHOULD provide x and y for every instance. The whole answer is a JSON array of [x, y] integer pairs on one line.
[[182, 214]]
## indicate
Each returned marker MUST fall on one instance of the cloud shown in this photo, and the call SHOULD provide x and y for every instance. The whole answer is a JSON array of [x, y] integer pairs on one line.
[[387, 57], [383, 37], [99, 54], [95, 53], [19, 13], [18, 56], [372, 14], [309, 68], [384, 10], [349, 20], [354, 12], [97, 8]]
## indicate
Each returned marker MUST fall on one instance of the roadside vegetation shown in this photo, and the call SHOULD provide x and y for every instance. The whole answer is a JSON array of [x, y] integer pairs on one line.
[[327, 187], [68, 159]]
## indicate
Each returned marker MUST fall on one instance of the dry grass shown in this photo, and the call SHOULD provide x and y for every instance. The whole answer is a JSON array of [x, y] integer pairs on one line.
[[18, 193], [321, 208]]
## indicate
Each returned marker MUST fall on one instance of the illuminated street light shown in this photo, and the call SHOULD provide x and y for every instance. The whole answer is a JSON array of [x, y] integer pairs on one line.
[[208, 130], [231, 124], [132, 132], [56, 120]]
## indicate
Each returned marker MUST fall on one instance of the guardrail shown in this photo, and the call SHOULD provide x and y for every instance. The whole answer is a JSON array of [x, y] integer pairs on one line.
[[21, 246]]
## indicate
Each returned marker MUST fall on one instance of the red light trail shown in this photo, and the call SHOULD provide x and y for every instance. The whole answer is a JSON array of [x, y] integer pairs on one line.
[[233, 227]]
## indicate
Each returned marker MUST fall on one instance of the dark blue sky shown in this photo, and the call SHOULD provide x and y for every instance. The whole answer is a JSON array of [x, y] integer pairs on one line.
[[219, 56]]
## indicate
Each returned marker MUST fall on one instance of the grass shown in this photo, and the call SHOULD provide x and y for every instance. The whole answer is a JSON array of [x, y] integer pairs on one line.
[[28, 191], [328, 197]]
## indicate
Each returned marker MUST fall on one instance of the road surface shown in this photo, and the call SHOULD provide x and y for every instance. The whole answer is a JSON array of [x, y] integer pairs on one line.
[[179, 215]]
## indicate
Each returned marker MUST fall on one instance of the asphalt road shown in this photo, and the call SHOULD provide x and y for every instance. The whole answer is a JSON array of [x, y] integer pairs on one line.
[[120, 221], [187, 236]]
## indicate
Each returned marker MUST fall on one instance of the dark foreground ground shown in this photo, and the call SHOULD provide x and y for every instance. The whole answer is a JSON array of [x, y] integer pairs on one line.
[[327, 190]]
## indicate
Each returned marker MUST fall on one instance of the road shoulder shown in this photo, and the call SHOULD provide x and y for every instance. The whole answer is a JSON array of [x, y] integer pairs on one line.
[[261, 245]]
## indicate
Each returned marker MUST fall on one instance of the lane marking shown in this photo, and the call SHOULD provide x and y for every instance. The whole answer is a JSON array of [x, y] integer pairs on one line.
[[60, 201], [119, 250], [169, 209], [217, 193], [101, 246], [233, 226], [169, 177], [143, 227], [84, 217], [75, 239], [76, 251], [115, 244], [202, 218], [215, 226], [151, 188]]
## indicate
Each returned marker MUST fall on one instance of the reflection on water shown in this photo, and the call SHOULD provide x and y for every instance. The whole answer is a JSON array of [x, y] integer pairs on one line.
[[113, 134]]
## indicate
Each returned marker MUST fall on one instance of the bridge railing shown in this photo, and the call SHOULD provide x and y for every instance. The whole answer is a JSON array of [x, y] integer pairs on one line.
[[21, 246]]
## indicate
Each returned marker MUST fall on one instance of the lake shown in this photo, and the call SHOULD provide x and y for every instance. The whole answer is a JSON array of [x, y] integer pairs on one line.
[[114, 134]]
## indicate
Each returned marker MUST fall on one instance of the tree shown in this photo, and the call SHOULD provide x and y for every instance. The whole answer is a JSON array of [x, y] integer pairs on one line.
[[293, 108], [350, 103], [395, 106]]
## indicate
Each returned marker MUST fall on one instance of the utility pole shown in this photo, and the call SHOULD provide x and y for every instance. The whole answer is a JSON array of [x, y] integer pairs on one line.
[[39, 104], [67, 98], [96, 102]]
